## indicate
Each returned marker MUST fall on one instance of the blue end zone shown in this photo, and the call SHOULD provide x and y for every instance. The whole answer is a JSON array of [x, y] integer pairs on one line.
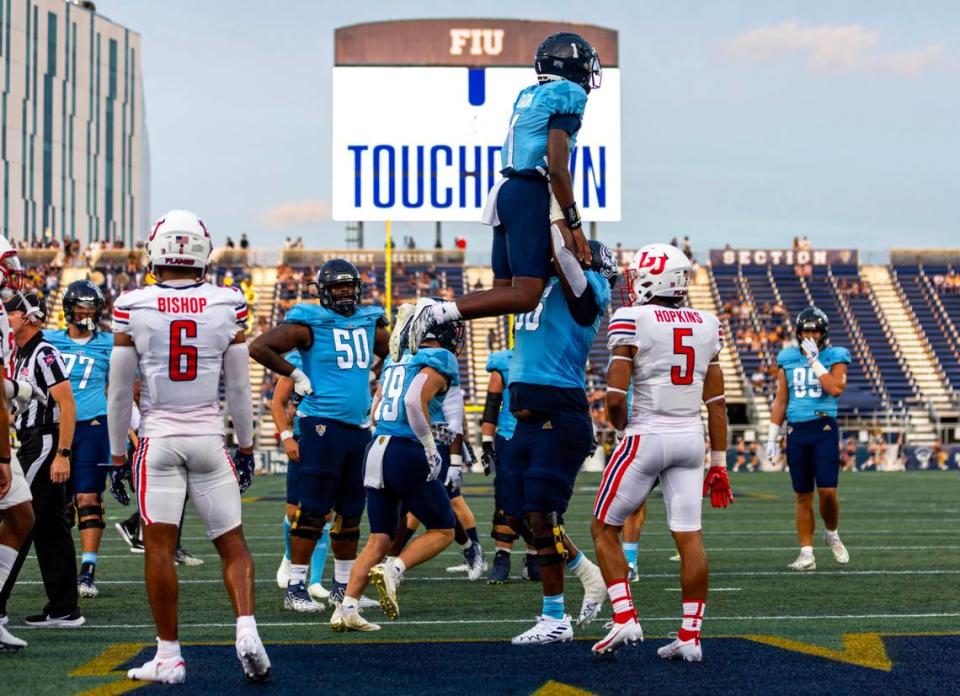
[[927, 663]]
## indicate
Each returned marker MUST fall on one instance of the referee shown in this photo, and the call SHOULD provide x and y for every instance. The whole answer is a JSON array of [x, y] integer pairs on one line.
[[43, 422]]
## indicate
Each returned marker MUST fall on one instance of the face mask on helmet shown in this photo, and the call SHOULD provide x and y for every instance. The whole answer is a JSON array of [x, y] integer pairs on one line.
[[11, 273], [451, 336], [604, 262], [333, 296], [658, 270], [567, 56]]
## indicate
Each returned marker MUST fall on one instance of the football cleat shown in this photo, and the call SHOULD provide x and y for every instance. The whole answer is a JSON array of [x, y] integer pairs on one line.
[[531, 569], [686, 650], [283, 573], [804, 562], [297, 599], [398, 336], [546, 630], [675, 558], [127, 532], [462, 568], [840, 552], [384, 578], [317, 591], [87, 585], [475, 561], [136, 546], [367, 603], [343, 621], [253, 657], [420, 324], [632, 572], [72, 620], [337, 591], [500, 575], [173, 671], [8, 641], [594, 592], [185, 559], [627, 633]]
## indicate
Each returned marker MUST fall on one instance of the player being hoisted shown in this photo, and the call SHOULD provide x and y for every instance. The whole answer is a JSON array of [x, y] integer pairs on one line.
[[669, 354]]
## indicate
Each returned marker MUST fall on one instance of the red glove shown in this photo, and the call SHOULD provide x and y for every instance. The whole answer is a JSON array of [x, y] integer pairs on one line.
[[718, 486]]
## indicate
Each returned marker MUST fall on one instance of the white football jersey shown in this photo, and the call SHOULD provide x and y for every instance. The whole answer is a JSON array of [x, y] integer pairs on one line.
[[674, 350], [181, 333], [7, 343]]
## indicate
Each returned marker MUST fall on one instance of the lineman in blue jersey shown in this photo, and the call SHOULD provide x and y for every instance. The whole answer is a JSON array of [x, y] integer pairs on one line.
[[554, 432], [337, 341], [86, 356], [497, 426], [535, 193], [403, 468], [810, 380], [288, 429]]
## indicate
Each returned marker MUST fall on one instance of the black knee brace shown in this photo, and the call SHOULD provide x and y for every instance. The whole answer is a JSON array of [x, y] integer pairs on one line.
[[345, 528], [547, 559], [90, 511], [522, 528], [307, 526]]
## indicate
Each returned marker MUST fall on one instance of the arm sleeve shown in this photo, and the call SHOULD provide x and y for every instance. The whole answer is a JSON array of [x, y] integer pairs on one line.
[[419, 421], [453, 409], [491, 408], [123, 373], [622, 330], [236, 379]]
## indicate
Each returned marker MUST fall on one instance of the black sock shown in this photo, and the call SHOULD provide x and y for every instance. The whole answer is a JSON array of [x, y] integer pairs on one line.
[[472, 534]]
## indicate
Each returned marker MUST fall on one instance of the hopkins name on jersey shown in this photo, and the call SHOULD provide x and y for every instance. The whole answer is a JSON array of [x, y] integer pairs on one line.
[[674, 349], [180, 333]]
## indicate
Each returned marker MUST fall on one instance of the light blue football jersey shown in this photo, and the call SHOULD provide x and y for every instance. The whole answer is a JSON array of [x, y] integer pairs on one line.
[[293, 357], [395, 380], [807, 400], [500, 361], [560, 101], [338, 362], [550, 348], [88, 367]]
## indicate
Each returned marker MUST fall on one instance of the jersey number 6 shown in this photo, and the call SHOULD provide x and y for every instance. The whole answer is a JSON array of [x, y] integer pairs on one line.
[[183, 358], [682, 375]]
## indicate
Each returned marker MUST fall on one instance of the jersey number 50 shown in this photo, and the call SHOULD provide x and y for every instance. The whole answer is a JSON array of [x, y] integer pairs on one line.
[[347, 354]]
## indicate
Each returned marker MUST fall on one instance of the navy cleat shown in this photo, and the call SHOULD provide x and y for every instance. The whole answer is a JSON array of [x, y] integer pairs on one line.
[[500, 575], [337, 591], [531, 569], [473, 555], [298, 599], [86, 582], [632, 574]]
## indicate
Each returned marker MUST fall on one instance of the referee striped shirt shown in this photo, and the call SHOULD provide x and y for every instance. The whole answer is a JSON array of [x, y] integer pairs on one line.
[[38, 363]]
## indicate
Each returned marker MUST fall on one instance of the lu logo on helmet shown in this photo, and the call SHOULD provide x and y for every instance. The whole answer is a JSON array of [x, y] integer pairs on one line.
[[656, 264]]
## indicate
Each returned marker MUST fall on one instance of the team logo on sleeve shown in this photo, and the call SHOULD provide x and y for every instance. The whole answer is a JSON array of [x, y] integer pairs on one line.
[[49, 359]]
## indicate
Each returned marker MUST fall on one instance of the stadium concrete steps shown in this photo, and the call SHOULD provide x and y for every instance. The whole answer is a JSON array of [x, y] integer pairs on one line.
[[914, 348], [265, 287]]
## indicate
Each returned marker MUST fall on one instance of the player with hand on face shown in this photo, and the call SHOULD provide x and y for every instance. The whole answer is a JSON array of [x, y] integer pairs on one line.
[[535, 193], [337, 341], [811, 378], [403, 469], [181, 334], [85, 351], [669, 353]]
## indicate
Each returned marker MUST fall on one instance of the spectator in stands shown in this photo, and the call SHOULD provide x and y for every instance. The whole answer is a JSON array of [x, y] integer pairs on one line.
[[230, 244], [244, 242], [299, 243], [848, 455], [741, 457], [805, 243], [491, 340], [796, 243], [753, 456], [687, 248], [938, 454]]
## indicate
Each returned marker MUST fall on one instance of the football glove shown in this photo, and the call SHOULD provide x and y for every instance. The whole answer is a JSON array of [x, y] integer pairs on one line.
[[811, 350], [244, 465], [454, 479], [118, 475], [718, 486], [489, 457], [773, 451], [434, 464], [443, 434], [469, 457], [301, 383]]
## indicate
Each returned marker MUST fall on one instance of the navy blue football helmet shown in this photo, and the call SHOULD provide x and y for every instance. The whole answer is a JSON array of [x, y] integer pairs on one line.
[[334, 272], [83, 294], [604, 262], [570, 57], [813, 319]]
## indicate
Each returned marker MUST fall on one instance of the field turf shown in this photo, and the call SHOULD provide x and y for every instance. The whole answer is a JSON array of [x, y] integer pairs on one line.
[[889, 620]]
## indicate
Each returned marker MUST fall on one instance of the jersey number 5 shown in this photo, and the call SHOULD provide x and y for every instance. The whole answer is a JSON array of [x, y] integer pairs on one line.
[[682, 374], [183, 358]]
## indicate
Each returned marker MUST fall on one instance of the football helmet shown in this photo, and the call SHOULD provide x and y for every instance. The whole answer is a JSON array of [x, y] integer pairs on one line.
[[604, 262], [179, 240], [83, 294], [11, 272], [657, 270], [567, 56], [813, 319], [338, 271]]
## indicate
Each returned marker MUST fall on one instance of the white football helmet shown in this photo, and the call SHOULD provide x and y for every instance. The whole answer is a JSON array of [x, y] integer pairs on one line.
[[657, 270], [179, 240], [11, 272]]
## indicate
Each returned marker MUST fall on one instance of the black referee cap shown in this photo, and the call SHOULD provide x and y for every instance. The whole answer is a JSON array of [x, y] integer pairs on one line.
[[28, 303]]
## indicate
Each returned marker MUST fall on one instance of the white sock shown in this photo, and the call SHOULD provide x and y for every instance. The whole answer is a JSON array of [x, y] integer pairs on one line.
[[167, 649], [585, 569], [833, 536], [445, 311], [399, 566], [245, 625], [341, 571], [349, 604], [8, 556], [806, 550], [298, 573]]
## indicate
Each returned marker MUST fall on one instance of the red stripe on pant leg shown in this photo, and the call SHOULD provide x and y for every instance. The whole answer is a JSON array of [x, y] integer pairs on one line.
[[230, 462], [614, 470], [142, 483], [616, 482], [611, 465]]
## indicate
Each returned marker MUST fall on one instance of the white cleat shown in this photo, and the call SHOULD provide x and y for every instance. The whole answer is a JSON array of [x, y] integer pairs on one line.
[[675, 558], [172, 671], [297, 599], [318, 592], [686, 650], [343, 621], [804, 562], [462, 568], [367, 603], [546, 630], [840, 552], [594, 592], [253, 657], [627, 633], [400, 328], [419, 325], [8, 641], [384, 578], [283, 573]]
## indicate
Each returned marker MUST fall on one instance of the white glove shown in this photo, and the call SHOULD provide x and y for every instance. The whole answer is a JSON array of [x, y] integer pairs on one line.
[[301, 383], [810, 350], [435, 463], [773, 440], [454, 478]]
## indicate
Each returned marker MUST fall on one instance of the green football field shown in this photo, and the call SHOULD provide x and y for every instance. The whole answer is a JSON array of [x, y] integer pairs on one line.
[[890, 619]]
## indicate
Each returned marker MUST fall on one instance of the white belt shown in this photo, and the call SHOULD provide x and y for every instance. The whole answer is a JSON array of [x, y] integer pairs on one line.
[[373, 467], [490, 216]]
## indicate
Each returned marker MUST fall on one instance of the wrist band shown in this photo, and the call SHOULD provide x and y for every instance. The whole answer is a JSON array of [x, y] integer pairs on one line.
[[572, 216], [4, 460], [718, 458], [487, 438], [286, 435], [456, 460], [818, 369]]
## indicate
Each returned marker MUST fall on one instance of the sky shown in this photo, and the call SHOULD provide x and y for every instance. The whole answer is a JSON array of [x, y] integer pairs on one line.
[[742, 122]]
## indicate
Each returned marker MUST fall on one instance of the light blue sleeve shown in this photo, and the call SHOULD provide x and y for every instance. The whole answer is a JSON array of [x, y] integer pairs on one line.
[[564, 97], [840, 355], [300, 314], [781, 357], [444, 362], [293, 357], [601, 289], [495, 361]]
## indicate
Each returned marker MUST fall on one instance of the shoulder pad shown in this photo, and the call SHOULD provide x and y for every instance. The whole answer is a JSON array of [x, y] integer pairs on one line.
[[441, 360], [564, 97], [601, 289]]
